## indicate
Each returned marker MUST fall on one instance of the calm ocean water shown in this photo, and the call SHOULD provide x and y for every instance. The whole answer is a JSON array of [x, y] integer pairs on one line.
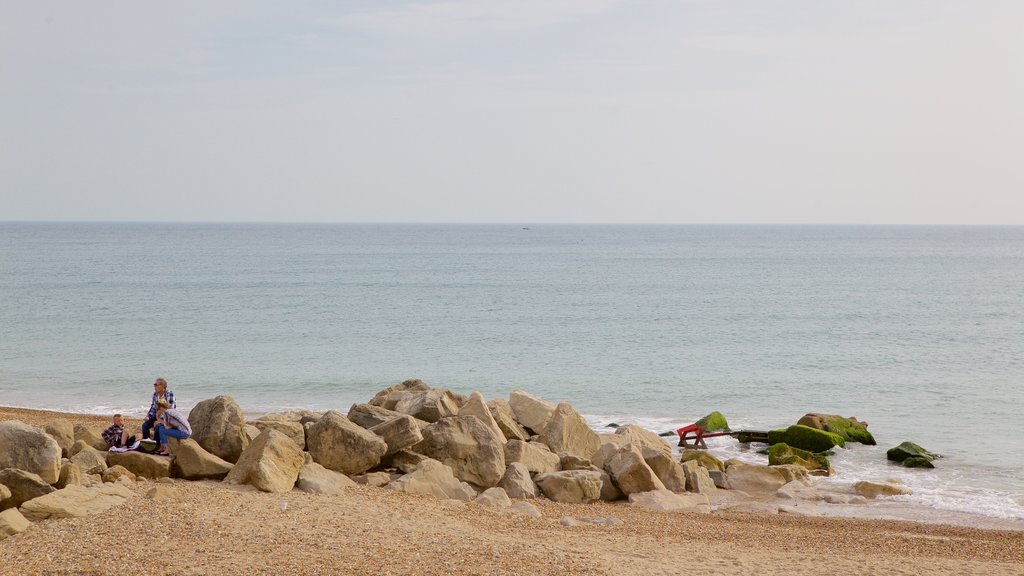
[[917, 330]]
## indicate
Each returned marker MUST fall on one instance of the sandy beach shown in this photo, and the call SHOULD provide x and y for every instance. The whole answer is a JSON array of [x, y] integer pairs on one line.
[[213, 528]]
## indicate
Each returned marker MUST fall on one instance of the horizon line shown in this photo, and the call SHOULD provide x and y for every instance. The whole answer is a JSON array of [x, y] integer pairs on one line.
[[506, 223]]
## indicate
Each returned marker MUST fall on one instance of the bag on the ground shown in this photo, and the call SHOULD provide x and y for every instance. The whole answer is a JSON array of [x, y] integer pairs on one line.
[[147, 446]]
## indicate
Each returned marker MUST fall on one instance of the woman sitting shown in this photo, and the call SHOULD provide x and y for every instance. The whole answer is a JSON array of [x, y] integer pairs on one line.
[[170, 424]]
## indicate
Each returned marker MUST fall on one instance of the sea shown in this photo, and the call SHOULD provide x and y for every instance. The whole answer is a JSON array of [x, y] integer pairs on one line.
[[917, 330]]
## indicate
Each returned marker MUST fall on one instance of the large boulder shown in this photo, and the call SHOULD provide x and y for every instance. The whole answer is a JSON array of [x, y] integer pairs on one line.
[[666, 469], [531, 411], [697, 478], [631, 473], [149, 466], [429, 405], [806, 438], [703, 459], [23, 487], [869, 489], [476, 407], [911, 455], [713, 422], [271, 463], [90, 460], [571, 486], [390, 396], [218, 425], [668, 501], [467, 446], [405, 461], [70, 475], [291, 429], [567, 431], [340, 445], [76, 501], [434, 478], [368, 416], [191, 462], [398, 433], [537, 458], [12, 522], [63, 432], [29, 449], [517, 482], [315, 479], [506, 420], [641, 438], [494, 498], [91, 436], [757, 478], [850, 429], [782, 453]]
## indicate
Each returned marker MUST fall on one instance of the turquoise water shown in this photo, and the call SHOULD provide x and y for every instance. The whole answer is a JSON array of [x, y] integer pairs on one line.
[[917, 330]]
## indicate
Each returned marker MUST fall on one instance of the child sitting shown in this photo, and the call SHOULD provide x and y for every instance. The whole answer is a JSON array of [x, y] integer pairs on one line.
[[116, 436]]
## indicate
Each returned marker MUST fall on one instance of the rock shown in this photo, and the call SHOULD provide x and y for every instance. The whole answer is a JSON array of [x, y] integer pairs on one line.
[[601, 520], [340, 445], [836, 498], [667, 470], [434, 478], [12, 522], [90, 460], [567, 431], [160, 492], [292, 430], [757, 478], [271, 463], [530, 411], [251, 432], [525, 508], [875, 489], [668, 501], [75, 501], [368, 416], [5, 492], [375, 479], [703, 459], [609, 491], [429, 405], [70, 475], [697, 478], [791, 472], [23, 486], [713, 422], [517, 482], [917, 456], [505, 418], [63, 432], [571, 486], [77, 447], [390, 396], [218, 425], [494, 498], [783, 453], [806, 438], [642, 438], [610, 444], [398, 433], [849, 428], [569, 522], [537, 458], [315, 479], [720, 478], [800, 509], [405, 461], [90, 436], [751, 507], [468, 447], [148, 465], [191, 462], [631, 473], [567, 461], [476, 407], [115, 473], [30, 449], [797, 490]]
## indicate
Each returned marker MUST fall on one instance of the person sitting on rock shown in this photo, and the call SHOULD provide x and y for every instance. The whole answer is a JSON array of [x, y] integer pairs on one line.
[[160, 392], [170, 424], [116, 436]]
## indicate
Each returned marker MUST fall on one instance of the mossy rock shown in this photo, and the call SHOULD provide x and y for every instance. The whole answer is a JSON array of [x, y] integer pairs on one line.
[[703, 459], [907, 451], [785, 454], [850, 429], [806, 438], [713, 422]]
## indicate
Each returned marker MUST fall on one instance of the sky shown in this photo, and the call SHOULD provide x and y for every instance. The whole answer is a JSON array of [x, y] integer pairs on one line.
[[686, 111]]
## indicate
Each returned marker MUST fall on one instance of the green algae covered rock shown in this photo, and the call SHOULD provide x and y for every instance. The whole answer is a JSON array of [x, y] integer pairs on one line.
[[703, 459], [850, 429], [806, 438], [782, 453], [713, 422], [912, 456]]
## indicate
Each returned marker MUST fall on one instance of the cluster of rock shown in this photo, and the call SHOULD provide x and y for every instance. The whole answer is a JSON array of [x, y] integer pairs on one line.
[[409, 438]]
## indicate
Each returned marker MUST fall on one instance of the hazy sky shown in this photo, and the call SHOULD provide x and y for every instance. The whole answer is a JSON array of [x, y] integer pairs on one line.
[[815, 111]]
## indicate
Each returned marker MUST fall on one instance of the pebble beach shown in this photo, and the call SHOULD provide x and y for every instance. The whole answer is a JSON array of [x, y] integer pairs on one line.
[[210, 527]]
